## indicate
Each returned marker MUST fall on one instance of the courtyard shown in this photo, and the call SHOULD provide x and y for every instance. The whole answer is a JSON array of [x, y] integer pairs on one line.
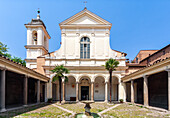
[[67, 110]]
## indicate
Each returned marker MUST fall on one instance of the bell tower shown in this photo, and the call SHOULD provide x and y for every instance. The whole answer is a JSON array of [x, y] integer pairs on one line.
[[37, 41]]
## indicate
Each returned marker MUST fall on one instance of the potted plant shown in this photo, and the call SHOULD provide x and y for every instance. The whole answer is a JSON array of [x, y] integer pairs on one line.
[[50, 100], [121, 100]]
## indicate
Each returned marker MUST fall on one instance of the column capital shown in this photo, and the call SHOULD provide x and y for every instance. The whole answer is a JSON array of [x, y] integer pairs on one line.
[[63, 79], [145, 76], [3, 68], [77, 82], [168, 69]]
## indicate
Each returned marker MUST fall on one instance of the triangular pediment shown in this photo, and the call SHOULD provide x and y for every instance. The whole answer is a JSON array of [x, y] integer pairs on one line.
[[85, 20], [85, 17]]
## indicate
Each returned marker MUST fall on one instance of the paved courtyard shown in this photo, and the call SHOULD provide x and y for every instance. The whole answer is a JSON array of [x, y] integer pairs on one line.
[[57, 110]]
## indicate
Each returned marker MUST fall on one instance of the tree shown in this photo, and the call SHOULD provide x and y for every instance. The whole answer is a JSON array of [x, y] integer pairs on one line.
[[4, 52], [19, 60], [110, 65], [59, 71]]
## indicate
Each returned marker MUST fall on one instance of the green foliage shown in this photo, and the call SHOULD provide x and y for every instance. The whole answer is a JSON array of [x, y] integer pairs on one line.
[[59, 71], [19, 60], [111, 64], [4, 52]]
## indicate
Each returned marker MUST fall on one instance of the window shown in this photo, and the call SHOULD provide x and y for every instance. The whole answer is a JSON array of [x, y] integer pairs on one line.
[[136, 60], [164, 52], [85, 48], [34, 37]]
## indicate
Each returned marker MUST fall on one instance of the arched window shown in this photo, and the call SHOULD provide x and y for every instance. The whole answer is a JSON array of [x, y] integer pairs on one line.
[[85, 48], [34, 37]]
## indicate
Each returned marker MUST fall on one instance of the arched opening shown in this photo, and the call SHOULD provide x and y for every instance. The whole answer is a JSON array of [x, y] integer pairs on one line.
[[99, 89], [115, 89], [85, 48], [84, 88], [70, 89], [34, 34]]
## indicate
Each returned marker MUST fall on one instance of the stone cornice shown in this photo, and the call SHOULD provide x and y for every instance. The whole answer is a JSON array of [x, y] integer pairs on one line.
[[36, 47]]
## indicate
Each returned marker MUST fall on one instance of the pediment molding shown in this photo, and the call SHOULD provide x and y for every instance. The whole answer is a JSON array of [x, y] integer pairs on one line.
[[85, 13]]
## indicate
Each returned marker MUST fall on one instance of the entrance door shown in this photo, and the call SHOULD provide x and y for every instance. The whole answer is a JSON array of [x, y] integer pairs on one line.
[[84, 92]]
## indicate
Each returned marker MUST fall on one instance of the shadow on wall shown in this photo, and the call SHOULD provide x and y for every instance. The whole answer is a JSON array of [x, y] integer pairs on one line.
[[21, 110]]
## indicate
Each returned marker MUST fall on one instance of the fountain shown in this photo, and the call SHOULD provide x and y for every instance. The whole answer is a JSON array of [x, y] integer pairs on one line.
[[87, 113]]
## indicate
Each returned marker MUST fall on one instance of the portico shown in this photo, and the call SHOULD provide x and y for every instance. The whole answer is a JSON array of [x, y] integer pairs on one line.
[[20, 86], [150, 86]]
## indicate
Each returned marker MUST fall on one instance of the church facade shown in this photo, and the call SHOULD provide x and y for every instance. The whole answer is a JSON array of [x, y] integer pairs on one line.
[[85, 47]]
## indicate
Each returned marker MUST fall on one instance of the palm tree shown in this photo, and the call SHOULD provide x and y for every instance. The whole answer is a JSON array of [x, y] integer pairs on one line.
[[59, 71], [110, 65]]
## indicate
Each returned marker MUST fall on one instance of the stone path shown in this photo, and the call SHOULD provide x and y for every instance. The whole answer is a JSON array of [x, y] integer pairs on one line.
[[63, 109], [106, 110]]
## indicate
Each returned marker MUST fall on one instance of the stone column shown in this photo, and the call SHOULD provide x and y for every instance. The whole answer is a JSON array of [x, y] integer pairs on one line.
[[168, 70], [77, 91], [25, 90], [106, 86], [2, 91], [46, 92], [63, 101], [38, 91], [92, 91], [145, 90], [132, 91]]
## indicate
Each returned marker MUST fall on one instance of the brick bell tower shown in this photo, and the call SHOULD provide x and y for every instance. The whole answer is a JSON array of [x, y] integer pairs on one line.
[[37, 41]]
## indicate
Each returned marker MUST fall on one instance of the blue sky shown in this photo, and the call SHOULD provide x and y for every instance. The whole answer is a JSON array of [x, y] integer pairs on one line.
[[136, 24]]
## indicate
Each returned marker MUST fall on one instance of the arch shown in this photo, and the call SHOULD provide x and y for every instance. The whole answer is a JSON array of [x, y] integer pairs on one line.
[[80, 77], [115, 87], [85, 48], [99, 76], [99, 88], [70, 88], [84, 87], [34, 37]]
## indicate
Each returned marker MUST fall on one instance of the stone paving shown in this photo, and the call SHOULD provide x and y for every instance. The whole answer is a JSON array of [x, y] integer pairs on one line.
[[105, 110]]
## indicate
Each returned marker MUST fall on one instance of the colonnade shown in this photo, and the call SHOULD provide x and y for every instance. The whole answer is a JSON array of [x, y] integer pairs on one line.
[[91, 85], [146, 89], [25, 90]]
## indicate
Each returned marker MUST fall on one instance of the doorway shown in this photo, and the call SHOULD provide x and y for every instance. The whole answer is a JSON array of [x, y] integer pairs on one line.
[[84, 92]]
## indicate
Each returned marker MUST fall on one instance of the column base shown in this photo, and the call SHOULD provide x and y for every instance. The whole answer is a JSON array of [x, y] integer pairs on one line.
[[77, 100], [3, 110], [63, 101], [25, 105], [106, 101]]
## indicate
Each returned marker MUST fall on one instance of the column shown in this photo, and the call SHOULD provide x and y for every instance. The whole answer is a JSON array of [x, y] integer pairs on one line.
[[38, 91], [168, 70], [63, 101], [46, 92], [77, 91], [145, 90], [92, 91], [132, 91], [2, 91], [25, 90], [106, 86]]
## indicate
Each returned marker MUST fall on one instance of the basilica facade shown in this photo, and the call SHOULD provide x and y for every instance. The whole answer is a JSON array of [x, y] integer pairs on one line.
[[85, 47]]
